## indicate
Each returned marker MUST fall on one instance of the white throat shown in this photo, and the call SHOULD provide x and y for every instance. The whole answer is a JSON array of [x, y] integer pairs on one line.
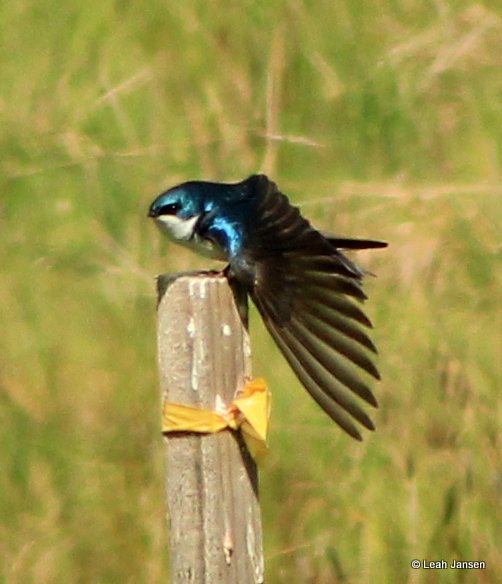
[[177, 228], [182, 231]]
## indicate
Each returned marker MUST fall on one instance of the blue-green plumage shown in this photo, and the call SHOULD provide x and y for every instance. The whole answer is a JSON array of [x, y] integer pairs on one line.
[[306, 290]]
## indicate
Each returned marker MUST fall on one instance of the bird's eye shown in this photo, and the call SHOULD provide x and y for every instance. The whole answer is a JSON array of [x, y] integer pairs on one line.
[[169, 209]]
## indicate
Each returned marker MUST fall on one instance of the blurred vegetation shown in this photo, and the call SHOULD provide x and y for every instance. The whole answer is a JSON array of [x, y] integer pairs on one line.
[[383, 119]]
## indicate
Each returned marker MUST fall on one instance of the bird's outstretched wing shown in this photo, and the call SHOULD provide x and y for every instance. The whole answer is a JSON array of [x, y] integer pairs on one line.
[[308, 294]]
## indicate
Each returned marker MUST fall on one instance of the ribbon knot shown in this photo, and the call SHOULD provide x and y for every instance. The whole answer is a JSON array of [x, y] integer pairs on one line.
[[249, 413]]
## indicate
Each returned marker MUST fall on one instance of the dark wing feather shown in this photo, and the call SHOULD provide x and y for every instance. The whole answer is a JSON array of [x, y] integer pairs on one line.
[[307, 294]]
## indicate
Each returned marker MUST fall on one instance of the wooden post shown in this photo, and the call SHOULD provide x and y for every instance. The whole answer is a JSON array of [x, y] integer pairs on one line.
[[212, 483]]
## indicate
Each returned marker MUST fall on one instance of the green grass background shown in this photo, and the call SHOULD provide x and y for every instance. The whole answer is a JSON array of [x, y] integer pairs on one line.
[[382, 119]]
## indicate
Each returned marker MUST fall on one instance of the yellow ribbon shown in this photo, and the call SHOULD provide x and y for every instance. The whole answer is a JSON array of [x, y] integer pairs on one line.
[[249, 413]]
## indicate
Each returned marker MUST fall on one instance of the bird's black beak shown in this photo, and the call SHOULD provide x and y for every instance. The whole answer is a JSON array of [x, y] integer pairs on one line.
[[152, 212]]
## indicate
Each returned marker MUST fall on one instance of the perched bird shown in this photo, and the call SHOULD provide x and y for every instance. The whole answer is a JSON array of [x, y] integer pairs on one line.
[[305, 289]]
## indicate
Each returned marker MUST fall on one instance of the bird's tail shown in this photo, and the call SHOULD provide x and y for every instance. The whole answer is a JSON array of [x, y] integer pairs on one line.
[[348, 243]]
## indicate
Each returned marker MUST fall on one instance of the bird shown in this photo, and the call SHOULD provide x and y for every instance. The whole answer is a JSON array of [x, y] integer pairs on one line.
[[306, 290]]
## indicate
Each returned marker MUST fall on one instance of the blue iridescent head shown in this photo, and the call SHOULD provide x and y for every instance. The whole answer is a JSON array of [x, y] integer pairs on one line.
[[184, 201]]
